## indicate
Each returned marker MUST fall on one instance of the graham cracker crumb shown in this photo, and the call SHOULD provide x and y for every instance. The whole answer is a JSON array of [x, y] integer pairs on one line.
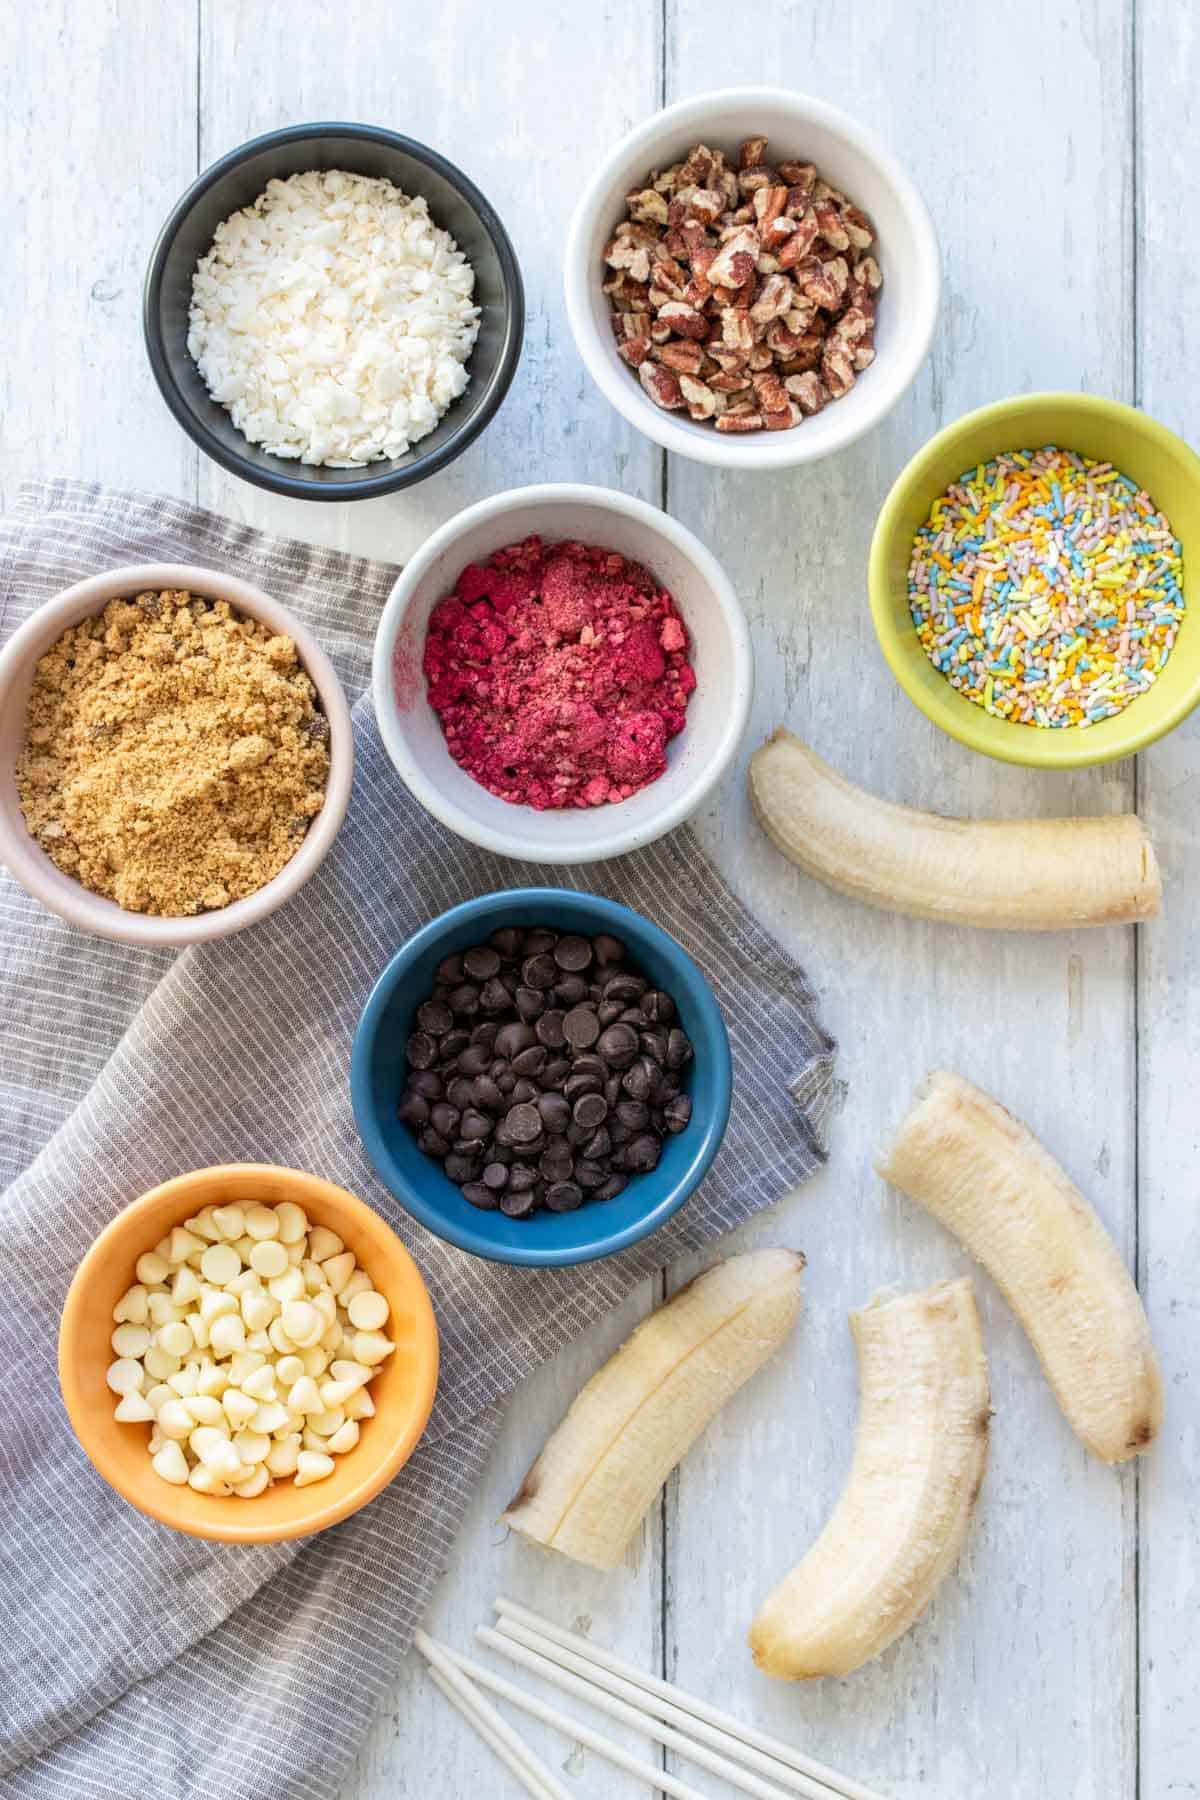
[[174, 754]]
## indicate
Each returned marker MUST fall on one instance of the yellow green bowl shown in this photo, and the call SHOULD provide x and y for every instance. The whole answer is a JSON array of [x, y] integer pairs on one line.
[[1138, 446]]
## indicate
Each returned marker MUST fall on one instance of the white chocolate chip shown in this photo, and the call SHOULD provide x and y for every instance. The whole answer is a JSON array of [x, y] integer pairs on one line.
[[312, 1466], [131, 1308], [152, 1268], [220, 1264], [170, 1464], [368, 1311], [343, 1439], [323, 1243], [230, 1221], [133, 1409], [130, 1340], [293, 1224]]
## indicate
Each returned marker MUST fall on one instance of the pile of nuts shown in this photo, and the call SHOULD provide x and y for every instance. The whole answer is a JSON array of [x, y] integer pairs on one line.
[[745, 295]]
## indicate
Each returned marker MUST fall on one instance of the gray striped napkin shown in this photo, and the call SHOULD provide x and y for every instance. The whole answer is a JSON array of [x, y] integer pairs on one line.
[[124, 1644]]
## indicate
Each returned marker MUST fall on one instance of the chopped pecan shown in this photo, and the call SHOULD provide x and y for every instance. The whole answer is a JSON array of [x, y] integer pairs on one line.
[[769, 203], [837, 368], [864, 353], [684, 320], [799, 242], [727, 187], [825, 284], [784, 419], [631, 324], [776, 297], [674, 242], [760, 358], [728, 383], [808, 390], [806, 355], [701, 401], [634, 350], [685, 358], [866, 269], [750, 152], [778, 232], [733, 264], [631, 249], [697, 245], [766, 264], [662, 386], [737, 331], [852, 325], [751, 180], [698, 292], [659, 333], [626, 294], [770, 393], [664, 183], [694, 171], [740, 421], [799, 176], [647, 207], [702, 204], [823, 191], [829, 222], [858, 227]]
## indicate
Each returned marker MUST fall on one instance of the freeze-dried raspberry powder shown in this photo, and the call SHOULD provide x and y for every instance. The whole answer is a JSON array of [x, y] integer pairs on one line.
[[559, 672]]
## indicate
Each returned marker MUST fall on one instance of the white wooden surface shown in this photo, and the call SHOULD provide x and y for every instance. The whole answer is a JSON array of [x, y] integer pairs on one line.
[[1052, 139]]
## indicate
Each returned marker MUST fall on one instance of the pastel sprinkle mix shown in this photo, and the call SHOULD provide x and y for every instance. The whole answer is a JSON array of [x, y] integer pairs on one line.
[[1047, 588]]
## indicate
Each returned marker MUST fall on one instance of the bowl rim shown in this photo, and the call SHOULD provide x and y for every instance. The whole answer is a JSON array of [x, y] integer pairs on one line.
[[313, 1188], [768, 450], [366, 486], [96, 914], [512, 843], [960, 718], [621, 919]]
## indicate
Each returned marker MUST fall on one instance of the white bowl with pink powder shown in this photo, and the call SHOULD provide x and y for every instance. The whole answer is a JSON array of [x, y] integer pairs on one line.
[[696, 756]]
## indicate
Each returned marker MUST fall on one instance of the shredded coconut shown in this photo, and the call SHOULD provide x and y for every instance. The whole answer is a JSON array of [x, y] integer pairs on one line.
[[333, 318]]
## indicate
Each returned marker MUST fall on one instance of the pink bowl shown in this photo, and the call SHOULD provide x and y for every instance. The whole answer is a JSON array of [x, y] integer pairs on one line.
[[25, 859]]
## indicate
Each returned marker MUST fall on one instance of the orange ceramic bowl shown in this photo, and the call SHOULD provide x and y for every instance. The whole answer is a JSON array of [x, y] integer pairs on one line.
[[403, 1389]]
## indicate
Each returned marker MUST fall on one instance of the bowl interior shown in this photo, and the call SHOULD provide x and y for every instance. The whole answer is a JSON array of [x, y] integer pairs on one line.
[[598, 1228], [29, 862], [807, 131], [402, 1391], [1155, 458], [715, 714], [465, 216]]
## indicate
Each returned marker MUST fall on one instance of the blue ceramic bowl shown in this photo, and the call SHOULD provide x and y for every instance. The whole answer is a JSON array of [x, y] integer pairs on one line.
[[598, 1228]]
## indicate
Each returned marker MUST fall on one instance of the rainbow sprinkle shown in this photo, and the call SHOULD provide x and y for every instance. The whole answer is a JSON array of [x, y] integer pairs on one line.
[[1047, 588]]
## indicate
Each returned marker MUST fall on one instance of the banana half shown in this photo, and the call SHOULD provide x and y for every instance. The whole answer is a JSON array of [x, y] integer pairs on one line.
[[1009, 874], [589, 1490], [984, 1176], [919, 1458]]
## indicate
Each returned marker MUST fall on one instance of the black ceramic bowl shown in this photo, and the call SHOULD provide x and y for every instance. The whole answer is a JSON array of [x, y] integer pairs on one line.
[[454, 203]]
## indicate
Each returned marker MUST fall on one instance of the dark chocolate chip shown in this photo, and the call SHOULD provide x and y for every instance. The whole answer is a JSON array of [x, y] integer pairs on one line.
[[453, 1044], [485, 1031], [625, 987], [435, 1017], [612, 1089], [507, 940], [598, 1146], [506, 1081], [563, 1196], [638, 1080], [530, 1062], [607, 949], [589, 1174], [460, 1167], [481, 962], [480, 1196], [539, 971], [556, 1162], [465, 999], [658, 1007], [608, 1012], [523, 1123], [523, 1090], [572, 953], [518, 1203], [654, 1045], [633, 1015], [494, 997], [549, 1029], [414, 1108], [677, 1112], [475, 1125], [641, 1153], [555, 1111], [575, 1086], [618, 1045], [616, 1184], [538, 940], [421, 1050], [590, 1064], [590, 1110], [476, 1059], [555, 1072], [460, 1092], [449, 971], [521, 1179], [529, 1002], [581, 1027], [433, 1144], [495, 1175], [514, 1037], [570, 990], [486, 1094], [634, 1114], [679, 1049], [444, 1119]]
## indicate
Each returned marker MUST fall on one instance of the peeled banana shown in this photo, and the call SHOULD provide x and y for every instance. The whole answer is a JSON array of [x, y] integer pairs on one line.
[[592, 1485], [919, 1458], [1009, 874], [984, 1175]]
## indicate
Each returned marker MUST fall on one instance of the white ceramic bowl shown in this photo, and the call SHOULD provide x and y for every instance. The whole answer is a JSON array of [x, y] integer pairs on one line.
[[850, 158], [696, 759], [24, 857]]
